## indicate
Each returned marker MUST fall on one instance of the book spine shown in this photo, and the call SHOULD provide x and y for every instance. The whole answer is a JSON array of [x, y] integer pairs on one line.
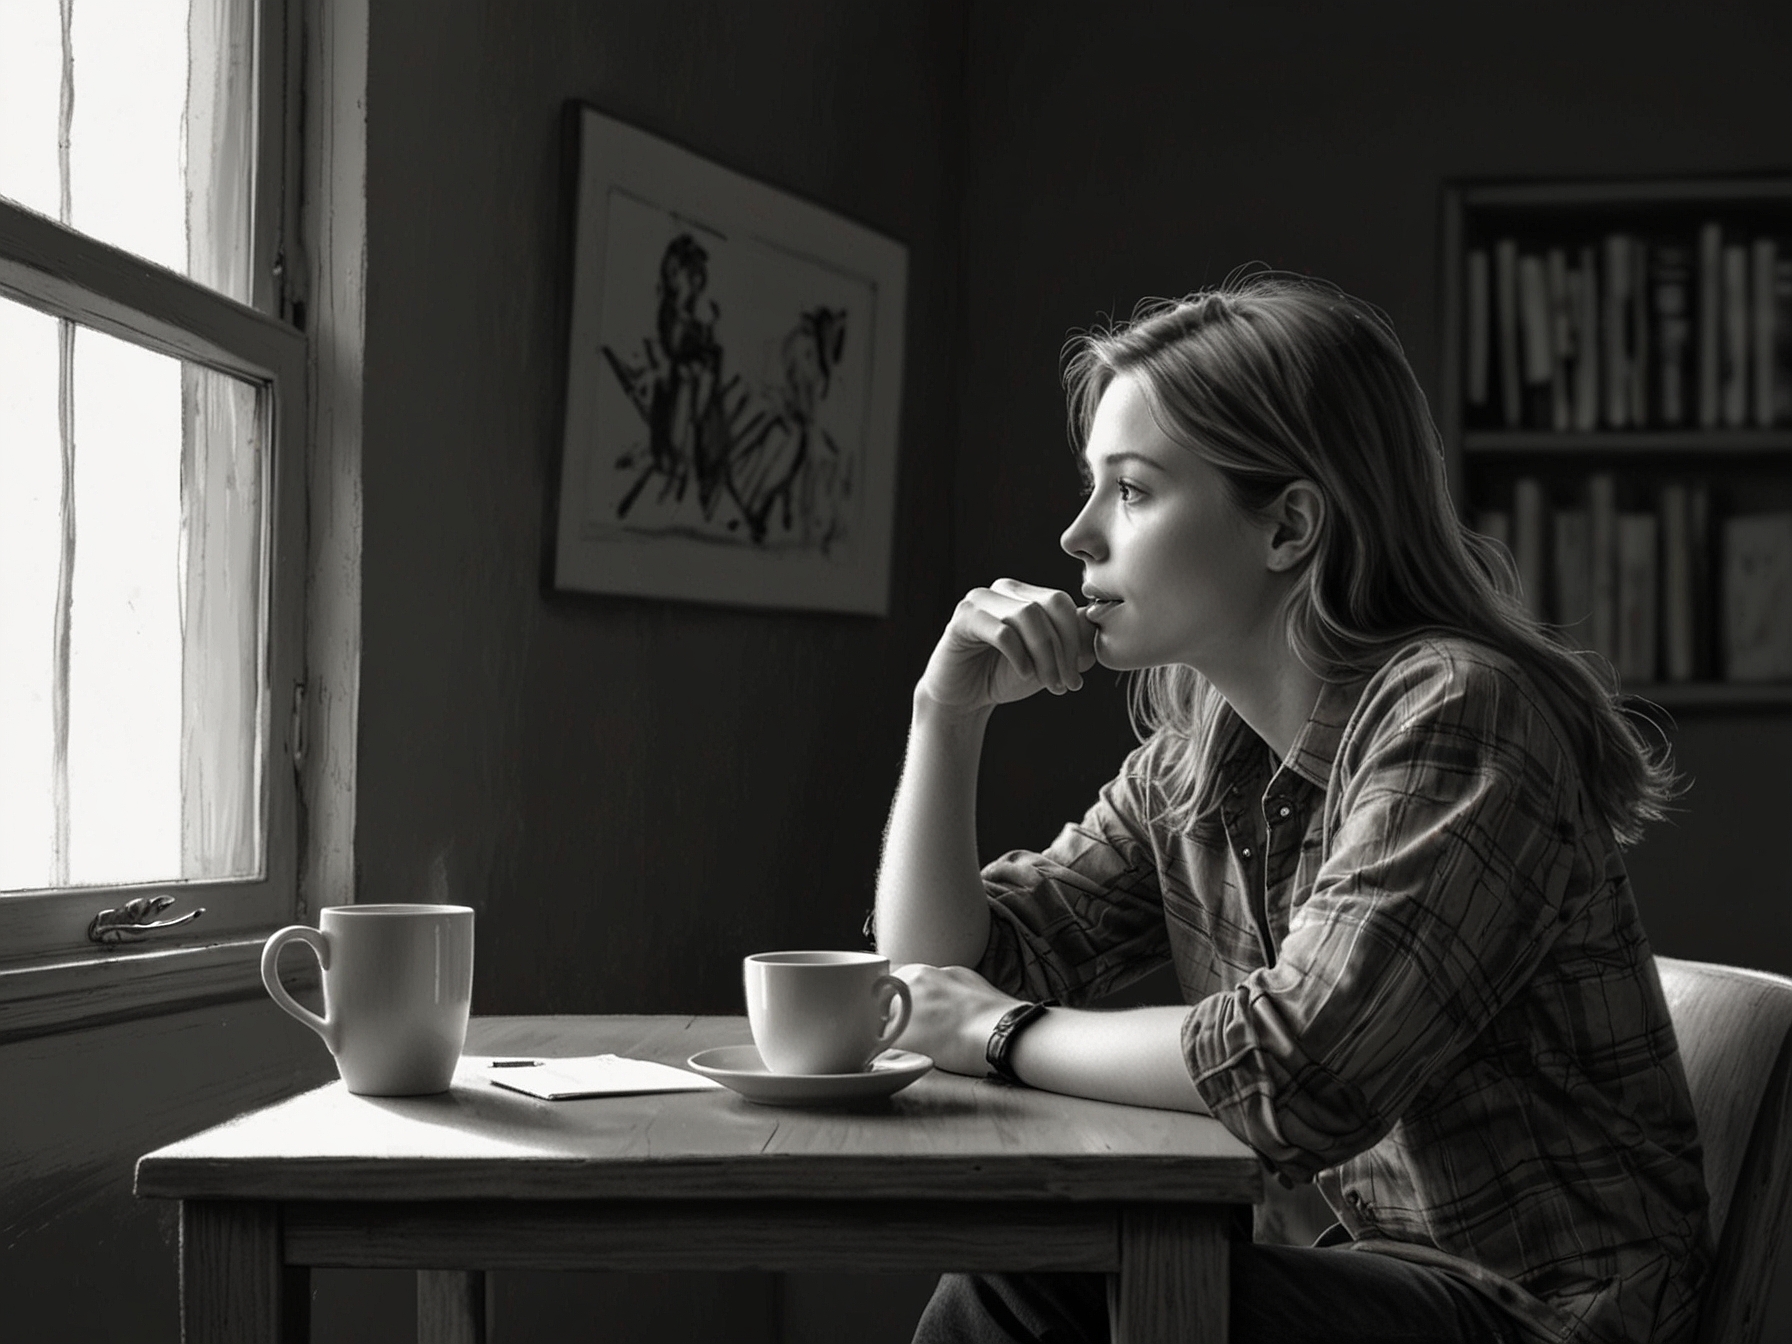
[[1505, 298], [1757, 573], [1572, 570], [1677, 630], [1710, 311], [1763, 259], [1637, 580], [1672, 330], [1495, 525], [1705, 661], [1479, 315], [1587, 342], [1734, 373], [1615, 319], [1527, 542], [1561, 340], [1636, 345], [1602, 548], [1782, 340], [1538, 349]]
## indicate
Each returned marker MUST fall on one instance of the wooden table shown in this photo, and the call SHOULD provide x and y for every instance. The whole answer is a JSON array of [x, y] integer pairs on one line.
[[951, 1173]]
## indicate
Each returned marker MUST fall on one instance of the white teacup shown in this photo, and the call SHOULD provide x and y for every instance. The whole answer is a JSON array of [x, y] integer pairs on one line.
[[823, 1012], [398, 981]]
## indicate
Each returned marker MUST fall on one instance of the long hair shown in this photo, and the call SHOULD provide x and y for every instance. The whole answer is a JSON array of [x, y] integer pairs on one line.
[[1273, 378]]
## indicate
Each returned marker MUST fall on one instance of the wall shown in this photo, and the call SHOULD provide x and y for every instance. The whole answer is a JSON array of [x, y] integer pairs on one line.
[[81, 1259], [632, 794], [1109, 161]]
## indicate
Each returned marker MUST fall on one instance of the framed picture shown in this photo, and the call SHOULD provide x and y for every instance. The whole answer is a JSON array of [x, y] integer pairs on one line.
[[734, 377]]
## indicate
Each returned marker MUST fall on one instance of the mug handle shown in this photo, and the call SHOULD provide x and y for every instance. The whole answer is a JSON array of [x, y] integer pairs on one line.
[[899, 995], [270, 975]]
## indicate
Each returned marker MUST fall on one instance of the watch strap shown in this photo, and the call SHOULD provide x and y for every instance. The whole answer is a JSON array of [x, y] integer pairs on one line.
[[1001, 1041]]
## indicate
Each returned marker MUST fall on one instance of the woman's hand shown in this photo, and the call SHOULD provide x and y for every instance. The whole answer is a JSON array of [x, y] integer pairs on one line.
[[954, 1011], [1006, 642]]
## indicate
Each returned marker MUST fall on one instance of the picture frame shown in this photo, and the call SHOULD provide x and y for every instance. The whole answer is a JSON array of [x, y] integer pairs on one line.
[[733, 386]]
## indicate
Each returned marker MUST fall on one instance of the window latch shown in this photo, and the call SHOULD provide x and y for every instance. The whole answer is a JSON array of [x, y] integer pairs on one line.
[[135, 919]]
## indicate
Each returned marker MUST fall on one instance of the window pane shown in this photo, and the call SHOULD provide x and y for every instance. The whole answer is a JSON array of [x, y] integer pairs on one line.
[[130, 628], [158, 101], [30, 544]]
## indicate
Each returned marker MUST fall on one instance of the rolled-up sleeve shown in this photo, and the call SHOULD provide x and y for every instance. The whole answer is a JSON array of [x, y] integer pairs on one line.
[[1440, 890], [1085, 916]]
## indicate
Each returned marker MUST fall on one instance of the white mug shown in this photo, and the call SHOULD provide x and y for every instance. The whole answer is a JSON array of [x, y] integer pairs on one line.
[[398, 982], [823, 1012]]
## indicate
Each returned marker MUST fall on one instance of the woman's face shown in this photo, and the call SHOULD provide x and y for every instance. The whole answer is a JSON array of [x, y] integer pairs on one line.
[[1177, 573]]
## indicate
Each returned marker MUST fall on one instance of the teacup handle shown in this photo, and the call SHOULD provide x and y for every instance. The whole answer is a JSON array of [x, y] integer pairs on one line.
[[270, 975], [904, 1004]]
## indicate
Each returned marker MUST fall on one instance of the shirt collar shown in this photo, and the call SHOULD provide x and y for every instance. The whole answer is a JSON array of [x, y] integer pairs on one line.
[[1315, 746]]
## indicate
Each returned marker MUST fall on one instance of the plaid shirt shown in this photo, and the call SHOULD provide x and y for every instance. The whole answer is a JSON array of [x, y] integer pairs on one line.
[[1418, 977]]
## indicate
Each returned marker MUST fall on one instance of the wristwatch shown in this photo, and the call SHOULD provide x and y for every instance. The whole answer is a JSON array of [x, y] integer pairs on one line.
[[1001, 1040]]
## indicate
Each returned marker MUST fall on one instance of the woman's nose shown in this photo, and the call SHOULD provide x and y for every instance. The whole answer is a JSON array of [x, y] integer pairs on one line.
[[1082, 539]]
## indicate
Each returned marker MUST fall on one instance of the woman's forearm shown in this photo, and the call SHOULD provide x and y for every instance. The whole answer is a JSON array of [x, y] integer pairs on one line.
[[930, 901], [1131, 1055]]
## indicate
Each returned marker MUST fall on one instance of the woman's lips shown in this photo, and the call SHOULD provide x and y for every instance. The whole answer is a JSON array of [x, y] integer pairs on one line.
[[1099, 607]]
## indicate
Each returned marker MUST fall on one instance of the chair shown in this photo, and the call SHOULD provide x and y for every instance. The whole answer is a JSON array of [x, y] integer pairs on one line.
[[1735, 1032]]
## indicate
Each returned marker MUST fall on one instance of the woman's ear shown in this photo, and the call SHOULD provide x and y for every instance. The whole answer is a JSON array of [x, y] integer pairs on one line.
[[1295, 518]]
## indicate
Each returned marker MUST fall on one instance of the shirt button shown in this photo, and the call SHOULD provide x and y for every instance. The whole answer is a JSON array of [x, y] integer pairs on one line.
[[1285, 810], [1246, 851]]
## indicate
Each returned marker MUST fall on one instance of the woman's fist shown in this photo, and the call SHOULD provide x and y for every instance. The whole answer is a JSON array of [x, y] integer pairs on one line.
[[1006, 642]]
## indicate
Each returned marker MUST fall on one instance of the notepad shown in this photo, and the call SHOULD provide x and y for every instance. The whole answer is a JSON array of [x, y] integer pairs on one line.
[[595, 1076]]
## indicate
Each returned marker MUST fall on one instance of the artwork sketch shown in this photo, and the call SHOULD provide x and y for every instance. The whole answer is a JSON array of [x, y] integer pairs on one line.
[[734, 373]]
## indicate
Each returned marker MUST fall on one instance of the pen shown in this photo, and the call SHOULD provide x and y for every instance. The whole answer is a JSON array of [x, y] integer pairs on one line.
[[516, 1063]]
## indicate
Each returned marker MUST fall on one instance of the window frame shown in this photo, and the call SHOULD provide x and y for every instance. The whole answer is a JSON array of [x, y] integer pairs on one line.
[[53, 976]]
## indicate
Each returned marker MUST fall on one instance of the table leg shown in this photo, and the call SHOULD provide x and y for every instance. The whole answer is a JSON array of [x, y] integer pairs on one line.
[[234, 1288], [450, 1306], [1173, 1285]]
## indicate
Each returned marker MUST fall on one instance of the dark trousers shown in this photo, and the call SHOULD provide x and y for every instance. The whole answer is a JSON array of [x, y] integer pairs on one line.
[[1280, 1295]]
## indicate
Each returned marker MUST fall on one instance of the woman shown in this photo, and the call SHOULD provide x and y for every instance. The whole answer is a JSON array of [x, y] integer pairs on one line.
[[1375, 823]]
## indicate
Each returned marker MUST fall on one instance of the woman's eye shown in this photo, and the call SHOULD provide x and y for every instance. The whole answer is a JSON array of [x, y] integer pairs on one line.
[[1127, 491]]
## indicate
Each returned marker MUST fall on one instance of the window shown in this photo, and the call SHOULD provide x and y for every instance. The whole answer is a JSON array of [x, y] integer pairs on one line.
[[152, 475]]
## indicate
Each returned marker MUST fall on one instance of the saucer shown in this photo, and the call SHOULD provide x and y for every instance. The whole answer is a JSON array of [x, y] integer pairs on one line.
[[739, 1067]]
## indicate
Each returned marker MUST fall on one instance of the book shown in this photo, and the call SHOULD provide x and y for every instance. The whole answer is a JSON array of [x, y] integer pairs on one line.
[[1534, 323], [1561, 339], [1527, 542], [1733, 370], [1637, 582], [1602, 558], [1505, 303], [1677, 629], [1587, 341], [1615, 322], [1708, 330], [1637, 335], [1704, 604], [1757, 597], [1496, 525], [1670, 286], [1571, 570], [1763, 258], [1477, 345], [1782, 340]]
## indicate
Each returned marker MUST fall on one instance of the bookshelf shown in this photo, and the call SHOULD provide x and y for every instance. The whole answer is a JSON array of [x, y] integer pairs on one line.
[[1616, 404]]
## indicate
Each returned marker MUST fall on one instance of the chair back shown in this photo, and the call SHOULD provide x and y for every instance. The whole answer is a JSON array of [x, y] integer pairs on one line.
[[1735, 1032]]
